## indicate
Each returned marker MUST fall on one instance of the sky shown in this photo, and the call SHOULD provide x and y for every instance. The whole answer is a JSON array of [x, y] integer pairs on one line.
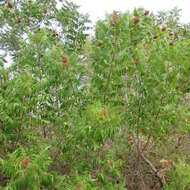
[[97, 8]]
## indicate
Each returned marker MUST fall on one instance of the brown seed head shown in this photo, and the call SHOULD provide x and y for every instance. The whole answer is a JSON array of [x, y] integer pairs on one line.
[[136, 62], [79, 185], [170, 33], [179, 138], [19, 20], [100, 43], [155, 37], [25, 162], [136, 20], [104, 112], [64, 59], [146, 12], [171, 44], [163, 29], [176, 35], [45, 11], [90, 90], [9, 5]]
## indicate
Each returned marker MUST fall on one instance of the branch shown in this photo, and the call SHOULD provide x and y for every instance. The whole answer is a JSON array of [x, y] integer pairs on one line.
[[111, 66], [156, 172]]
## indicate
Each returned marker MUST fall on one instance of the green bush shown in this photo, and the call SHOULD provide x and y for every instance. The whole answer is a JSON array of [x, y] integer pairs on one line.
[[106, 108]]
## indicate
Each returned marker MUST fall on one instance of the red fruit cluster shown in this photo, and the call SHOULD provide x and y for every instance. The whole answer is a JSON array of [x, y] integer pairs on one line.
[[25, 162], [9, 5], [115, 18], [79, 185], [65, 59], [146, 12], [179, 139], [136, 62], [104, 112], [130, 140], [100, 43], [136, 20]]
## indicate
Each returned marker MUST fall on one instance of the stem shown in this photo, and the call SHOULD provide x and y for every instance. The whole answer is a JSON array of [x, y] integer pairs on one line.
[[154, 122], [139, 168], [44, 132], [107, 83], [111, 65], [38, 58], [19, 132]]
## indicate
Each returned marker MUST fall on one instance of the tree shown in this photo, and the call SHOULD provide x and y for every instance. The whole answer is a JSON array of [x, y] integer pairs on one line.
[[73, 111]]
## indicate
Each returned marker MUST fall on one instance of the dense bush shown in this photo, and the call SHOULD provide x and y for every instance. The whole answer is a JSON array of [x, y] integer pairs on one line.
[[111, 111]]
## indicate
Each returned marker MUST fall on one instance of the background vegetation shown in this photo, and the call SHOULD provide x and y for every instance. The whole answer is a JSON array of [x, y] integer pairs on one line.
[[110, 111]]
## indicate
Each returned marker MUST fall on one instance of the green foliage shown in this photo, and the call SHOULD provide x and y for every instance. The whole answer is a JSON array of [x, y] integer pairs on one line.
[[32, 174], [97, 105], [180, 176]]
